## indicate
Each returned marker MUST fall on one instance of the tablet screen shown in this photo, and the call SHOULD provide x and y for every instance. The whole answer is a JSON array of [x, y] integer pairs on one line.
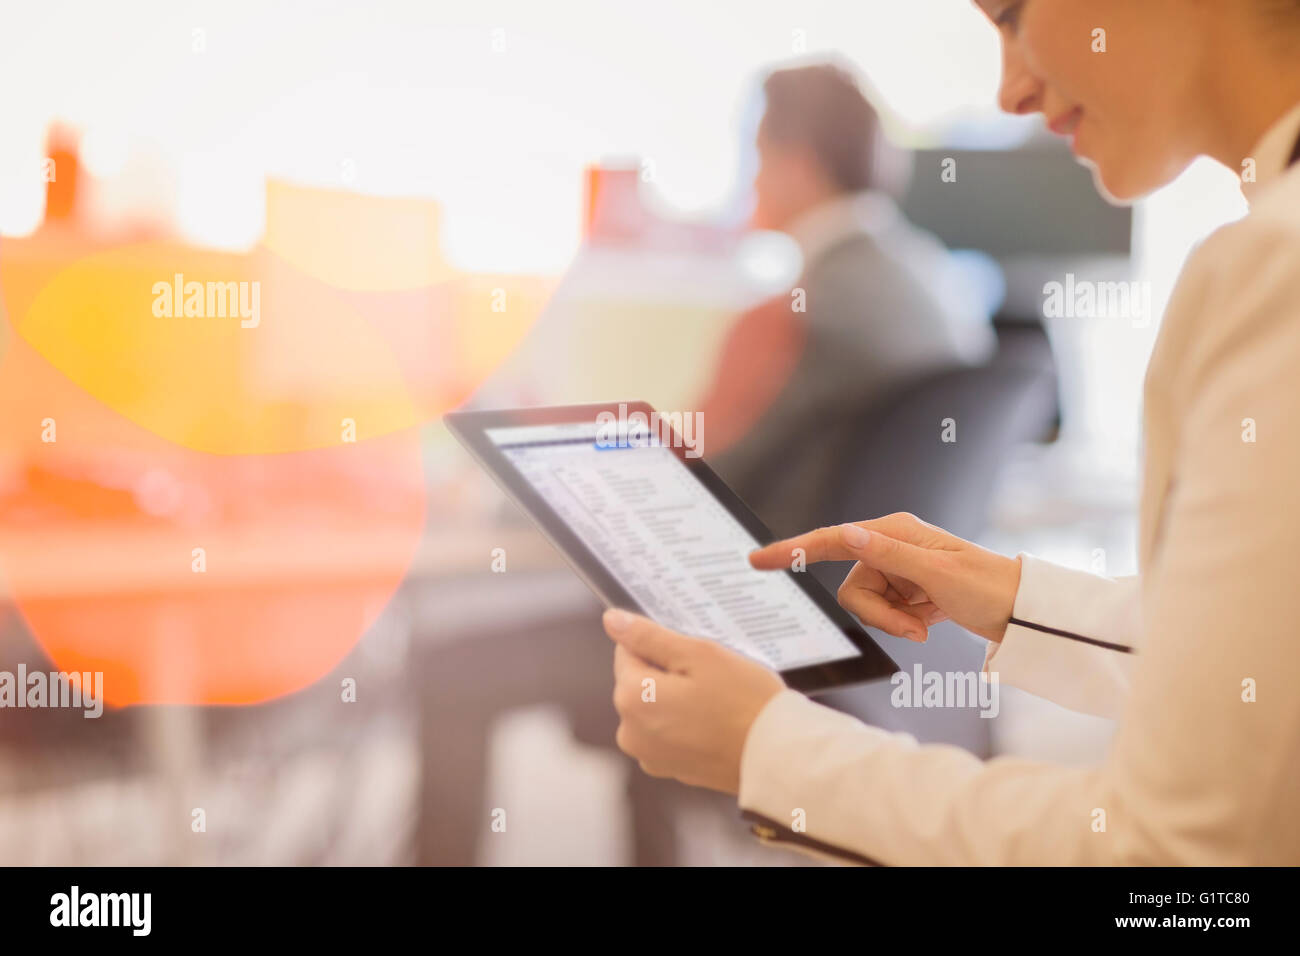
[[661, 534]]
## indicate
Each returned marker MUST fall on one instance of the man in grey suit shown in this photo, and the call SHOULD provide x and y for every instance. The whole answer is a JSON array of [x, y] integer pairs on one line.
[[870, 313]]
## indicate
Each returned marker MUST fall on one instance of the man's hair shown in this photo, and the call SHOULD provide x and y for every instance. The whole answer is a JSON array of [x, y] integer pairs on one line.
[[822, 108]]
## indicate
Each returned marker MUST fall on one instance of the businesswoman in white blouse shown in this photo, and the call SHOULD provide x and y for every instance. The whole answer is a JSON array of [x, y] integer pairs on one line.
[[1198, 657]]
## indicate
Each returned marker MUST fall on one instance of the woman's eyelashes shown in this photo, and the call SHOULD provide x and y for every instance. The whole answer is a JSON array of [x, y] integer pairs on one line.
[[1008, 18]]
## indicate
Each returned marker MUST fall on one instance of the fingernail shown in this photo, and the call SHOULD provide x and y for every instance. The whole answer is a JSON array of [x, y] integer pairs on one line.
[[854, 536], [914, 635], [936, 616], [617, 620]]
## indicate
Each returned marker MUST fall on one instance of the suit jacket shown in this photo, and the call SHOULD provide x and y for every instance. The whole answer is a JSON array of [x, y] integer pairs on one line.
[[790, 385], [1198, 657]]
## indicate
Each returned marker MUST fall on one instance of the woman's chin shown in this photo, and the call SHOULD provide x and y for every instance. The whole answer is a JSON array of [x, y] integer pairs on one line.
[[1120, 184]]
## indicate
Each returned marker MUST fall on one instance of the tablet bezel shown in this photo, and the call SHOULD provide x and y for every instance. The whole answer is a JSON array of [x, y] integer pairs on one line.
[[470, 429]]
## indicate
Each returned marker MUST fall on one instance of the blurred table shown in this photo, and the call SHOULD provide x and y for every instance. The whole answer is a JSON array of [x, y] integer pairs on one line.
[[124, 559]]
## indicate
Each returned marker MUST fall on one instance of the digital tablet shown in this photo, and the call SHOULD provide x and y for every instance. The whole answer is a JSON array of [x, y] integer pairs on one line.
[[624, 495]]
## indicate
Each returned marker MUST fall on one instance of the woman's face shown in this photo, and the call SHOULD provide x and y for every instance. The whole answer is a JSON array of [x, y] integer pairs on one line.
[[1128, 98]]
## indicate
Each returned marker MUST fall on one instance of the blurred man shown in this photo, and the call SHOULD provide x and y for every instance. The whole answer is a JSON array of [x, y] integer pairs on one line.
[[863, 320]]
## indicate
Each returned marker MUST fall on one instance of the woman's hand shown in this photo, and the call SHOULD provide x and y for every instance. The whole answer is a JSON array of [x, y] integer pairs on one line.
[[909, 575], [685, 704]]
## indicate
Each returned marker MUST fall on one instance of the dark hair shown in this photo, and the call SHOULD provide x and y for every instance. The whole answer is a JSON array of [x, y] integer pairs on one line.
[[823, 108]]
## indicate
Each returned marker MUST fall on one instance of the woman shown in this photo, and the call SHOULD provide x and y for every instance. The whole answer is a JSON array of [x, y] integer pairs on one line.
[[1198, 657]]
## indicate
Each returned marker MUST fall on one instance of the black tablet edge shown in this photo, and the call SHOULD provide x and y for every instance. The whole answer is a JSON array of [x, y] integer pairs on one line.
[[470, 429]]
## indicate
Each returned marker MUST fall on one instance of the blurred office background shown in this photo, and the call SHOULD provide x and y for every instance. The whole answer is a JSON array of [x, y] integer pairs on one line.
[[588, 164]]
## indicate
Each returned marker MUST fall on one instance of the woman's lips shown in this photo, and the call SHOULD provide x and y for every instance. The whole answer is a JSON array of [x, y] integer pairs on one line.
[[1065, 123]]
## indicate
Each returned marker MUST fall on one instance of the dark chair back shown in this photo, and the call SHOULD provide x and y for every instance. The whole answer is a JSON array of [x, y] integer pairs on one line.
[[936, 447]]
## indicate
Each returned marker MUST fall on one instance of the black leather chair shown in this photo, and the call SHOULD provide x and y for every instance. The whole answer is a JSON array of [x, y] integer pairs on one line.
[[903, 463], [899, 462]]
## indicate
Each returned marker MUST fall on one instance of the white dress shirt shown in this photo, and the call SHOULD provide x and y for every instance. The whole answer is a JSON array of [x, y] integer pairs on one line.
[[1198, 657]]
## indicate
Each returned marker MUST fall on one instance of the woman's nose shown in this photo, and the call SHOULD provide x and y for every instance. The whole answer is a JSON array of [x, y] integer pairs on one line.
[[1020, 91]]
